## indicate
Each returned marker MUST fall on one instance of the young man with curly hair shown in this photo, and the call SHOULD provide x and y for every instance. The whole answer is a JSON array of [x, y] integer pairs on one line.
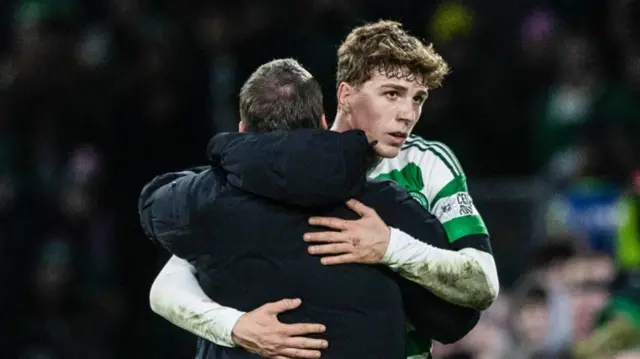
[[383, 79]]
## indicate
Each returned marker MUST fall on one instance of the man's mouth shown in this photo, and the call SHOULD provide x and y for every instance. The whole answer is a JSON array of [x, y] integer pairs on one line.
[[399, 134], [398, 138]]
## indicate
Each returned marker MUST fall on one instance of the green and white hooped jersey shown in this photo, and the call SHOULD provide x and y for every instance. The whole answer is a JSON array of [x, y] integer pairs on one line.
[[432, 175]]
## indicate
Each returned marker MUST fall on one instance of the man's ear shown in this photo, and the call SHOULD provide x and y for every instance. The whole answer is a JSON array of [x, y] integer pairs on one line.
[[323, 122], [345, 92], [241, 127]]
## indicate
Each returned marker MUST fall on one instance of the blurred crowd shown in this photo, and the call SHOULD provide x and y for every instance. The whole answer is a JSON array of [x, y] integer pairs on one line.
[[97, 97]]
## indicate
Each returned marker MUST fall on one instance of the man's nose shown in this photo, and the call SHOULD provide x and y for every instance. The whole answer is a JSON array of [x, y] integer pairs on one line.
[[407, 115]]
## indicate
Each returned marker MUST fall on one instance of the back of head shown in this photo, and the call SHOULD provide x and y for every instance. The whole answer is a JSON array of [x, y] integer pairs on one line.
[[281, 95], [386, 47], [281, 109]]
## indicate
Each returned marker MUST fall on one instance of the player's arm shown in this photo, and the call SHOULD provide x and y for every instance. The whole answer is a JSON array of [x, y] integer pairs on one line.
[[391, 239], [433, 281], [427, 298], [422, 256], [448, 199], [167, 207], [455, 276], [177, 296], [464, 273]]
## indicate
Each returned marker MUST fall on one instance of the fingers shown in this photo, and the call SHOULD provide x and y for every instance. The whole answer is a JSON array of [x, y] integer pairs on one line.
[[306, 343], [299, 347], [360, 208], [325, 237], [282, 306], [329, 222], [334, 248], [341, 259], [300, 353], [303, 329]]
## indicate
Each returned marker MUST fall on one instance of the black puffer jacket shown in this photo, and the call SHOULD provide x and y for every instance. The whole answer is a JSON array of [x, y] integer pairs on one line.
[[241, 220]]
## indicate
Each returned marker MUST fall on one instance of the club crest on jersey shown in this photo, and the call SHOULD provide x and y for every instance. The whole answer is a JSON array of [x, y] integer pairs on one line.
[[421, 198]]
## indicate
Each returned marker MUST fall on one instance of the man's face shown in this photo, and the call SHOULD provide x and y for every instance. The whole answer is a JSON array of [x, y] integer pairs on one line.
[[386, 109]]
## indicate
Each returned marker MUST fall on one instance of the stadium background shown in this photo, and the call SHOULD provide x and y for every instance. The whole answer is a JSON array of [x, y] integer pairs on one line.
[[542, 109]]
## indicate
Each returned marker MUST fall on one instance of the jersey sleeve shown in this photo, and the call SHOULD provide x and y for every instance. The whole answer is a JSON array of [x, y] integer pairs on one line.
[[447, 195]]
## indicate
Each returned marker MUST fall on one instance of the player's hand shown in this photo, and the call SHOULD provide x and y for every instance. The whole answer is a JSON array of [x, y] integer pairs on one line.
[[364, 240], [260, 332]]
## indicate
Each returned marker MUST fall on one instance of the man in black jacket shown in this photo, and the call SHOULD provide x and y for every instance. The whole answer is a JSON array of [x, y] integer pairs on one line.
[[240, 223]]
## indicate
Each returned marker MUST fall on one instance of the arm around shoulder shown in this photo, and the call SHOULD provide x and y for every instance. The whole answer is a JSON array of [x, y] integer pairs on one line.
[[467, 244], [420, 251], [458, 277]]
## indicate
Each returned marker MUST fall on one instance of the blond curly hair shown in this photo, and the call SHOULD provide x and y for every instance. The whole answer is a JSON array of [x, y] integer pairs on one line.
[[386, 47]]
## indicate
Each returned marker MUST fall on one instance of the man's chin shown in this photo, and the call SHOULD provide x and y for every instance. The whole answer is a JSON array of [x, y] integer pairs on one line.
[[387, 151]]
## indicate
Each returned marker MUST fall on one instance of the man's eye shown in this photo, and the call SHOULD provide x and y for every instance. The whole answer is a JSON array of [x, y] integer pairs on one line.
[[419, 99], [392, 94]]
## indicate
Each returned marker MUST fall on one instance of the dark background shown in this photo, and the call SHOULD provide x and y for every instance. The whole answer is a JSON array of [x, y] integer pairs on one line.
[[97, 97]]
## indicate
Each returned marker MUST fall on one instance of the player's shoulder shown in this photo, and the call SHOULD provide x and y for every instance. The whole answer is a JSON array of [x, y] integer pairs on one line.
[[431, 154], [385, 192], [416, 146]]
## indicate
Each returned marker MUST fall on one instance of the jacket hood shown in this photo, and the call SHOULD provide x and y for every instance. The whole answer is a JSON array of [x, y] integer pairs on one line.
[[308, 168]]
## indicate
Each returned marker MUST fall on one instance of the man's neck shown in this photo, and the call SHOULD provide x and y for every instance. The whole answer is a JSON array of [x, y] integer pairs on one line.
[[341, 123]]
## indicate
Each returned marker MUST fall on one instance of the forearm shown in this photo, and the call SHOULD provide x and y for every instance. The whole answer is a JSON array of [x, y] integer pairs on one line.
[[177, 296], [467, 277]]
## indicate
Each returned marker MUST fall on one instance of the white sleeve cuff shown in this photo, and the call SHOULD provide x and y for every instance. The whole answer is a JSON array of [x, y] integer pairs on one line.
[[403, 249], [177, 296], [224, 318], [204, 318], [428, 265], [393, 244]]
